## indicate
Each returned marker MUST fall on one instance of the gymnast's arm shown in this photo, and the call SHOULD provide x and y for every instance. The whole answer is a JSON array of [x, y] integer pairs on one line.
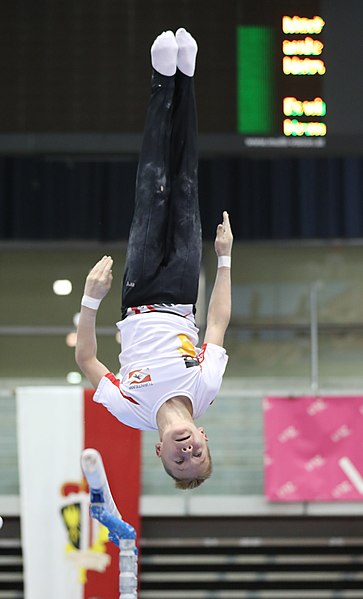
[[98, 283], [219, 311]]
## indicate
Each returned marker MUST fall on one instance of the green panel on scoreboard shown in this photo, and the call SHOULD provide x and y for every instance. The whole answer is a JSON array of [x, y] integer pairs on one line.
[[254, 80]]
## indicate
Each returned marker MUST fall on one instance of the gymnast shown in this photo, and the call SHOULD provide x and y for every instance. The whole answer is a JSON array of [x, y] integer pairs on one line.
[[165, 382]]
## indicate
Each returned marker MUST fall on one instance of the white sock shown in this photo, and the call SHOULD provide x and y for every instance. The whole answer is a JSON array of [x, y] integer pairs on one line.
[[187, 52], [164, 53]]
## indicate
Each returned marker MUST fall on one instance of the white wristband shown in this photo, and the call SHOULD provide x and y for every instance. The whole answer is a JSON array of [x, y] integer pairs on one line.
[[90, 302], [224, 261]]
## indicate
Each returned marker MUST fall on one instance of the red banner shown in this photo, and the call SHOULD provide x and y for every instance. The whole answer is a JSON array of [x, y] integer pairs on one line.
[[119, 447]]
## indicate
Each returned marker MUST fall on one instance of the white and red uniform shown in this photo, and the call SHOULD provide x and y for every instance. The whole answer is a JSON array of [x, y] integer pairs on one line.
[[160, 360]]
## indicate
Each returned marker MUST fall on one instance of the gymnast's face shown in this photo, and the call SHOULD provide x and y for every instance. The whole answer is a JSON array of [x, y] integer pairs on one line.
[[184, 452]]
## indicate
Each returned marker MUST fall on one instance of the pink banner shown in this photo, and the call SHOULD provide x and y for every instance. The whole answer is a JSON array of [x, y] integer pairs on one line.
[[314, 448]]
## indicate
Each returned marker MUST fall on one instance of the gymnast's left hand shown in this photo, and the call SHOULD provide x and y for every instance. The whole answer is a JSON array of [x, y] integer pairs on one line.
[[224, 237], [99, 279]]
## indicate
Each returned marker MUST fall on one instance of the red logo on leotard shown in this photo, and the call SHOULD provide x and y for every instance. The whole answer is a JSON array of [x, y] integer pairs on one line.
[[137, 377]]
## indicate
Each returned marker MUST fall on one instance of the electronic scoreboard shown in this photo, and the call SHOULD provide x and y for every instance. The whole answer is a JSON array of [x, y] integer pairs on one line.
[[271, 74]]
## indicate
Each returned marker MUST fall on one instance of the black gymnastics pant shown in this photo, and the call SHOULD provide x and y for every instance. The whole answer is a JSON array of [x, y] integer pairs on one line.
[[165, 241]]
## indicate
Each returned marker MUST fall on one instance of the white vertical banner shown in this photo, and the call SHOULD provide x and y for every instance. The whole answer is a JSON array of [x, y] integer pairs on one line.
[[50, 441]]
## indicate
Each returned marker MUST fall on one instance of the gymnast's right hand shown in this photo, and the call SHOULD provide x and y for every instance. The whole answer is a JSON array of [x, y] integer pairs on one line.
[[99, 279]]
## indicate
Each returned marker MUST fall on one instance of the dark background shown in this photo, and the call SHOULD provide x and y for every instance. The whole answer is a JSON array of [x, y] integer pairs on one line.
[[84, 66], [75, 79]]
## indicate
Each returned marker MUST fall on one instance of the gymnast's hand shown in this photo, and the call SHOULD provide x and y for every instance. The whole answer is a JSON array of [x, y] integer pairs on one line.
[[99, 280], [224, 238]]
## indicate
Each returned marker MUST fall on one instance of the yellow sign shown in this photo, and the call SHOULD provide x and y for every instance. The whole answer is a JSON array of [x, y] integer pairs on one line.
[[299, 59]]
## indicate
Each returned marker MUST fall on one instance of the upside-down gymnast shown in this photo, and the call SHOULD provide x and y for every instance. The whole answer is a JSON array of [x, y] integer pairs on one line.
[[166, 381]]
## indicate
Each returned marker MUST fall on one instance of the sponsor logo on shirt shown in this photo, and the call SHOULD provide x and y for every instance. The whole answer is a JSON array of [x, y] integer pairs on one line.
[[139, 378], [116, 381]]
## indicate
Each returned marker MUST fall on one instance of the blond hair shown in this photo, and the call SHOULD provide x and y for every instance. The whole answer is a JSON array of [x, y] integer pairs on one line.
[[193, 483]]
